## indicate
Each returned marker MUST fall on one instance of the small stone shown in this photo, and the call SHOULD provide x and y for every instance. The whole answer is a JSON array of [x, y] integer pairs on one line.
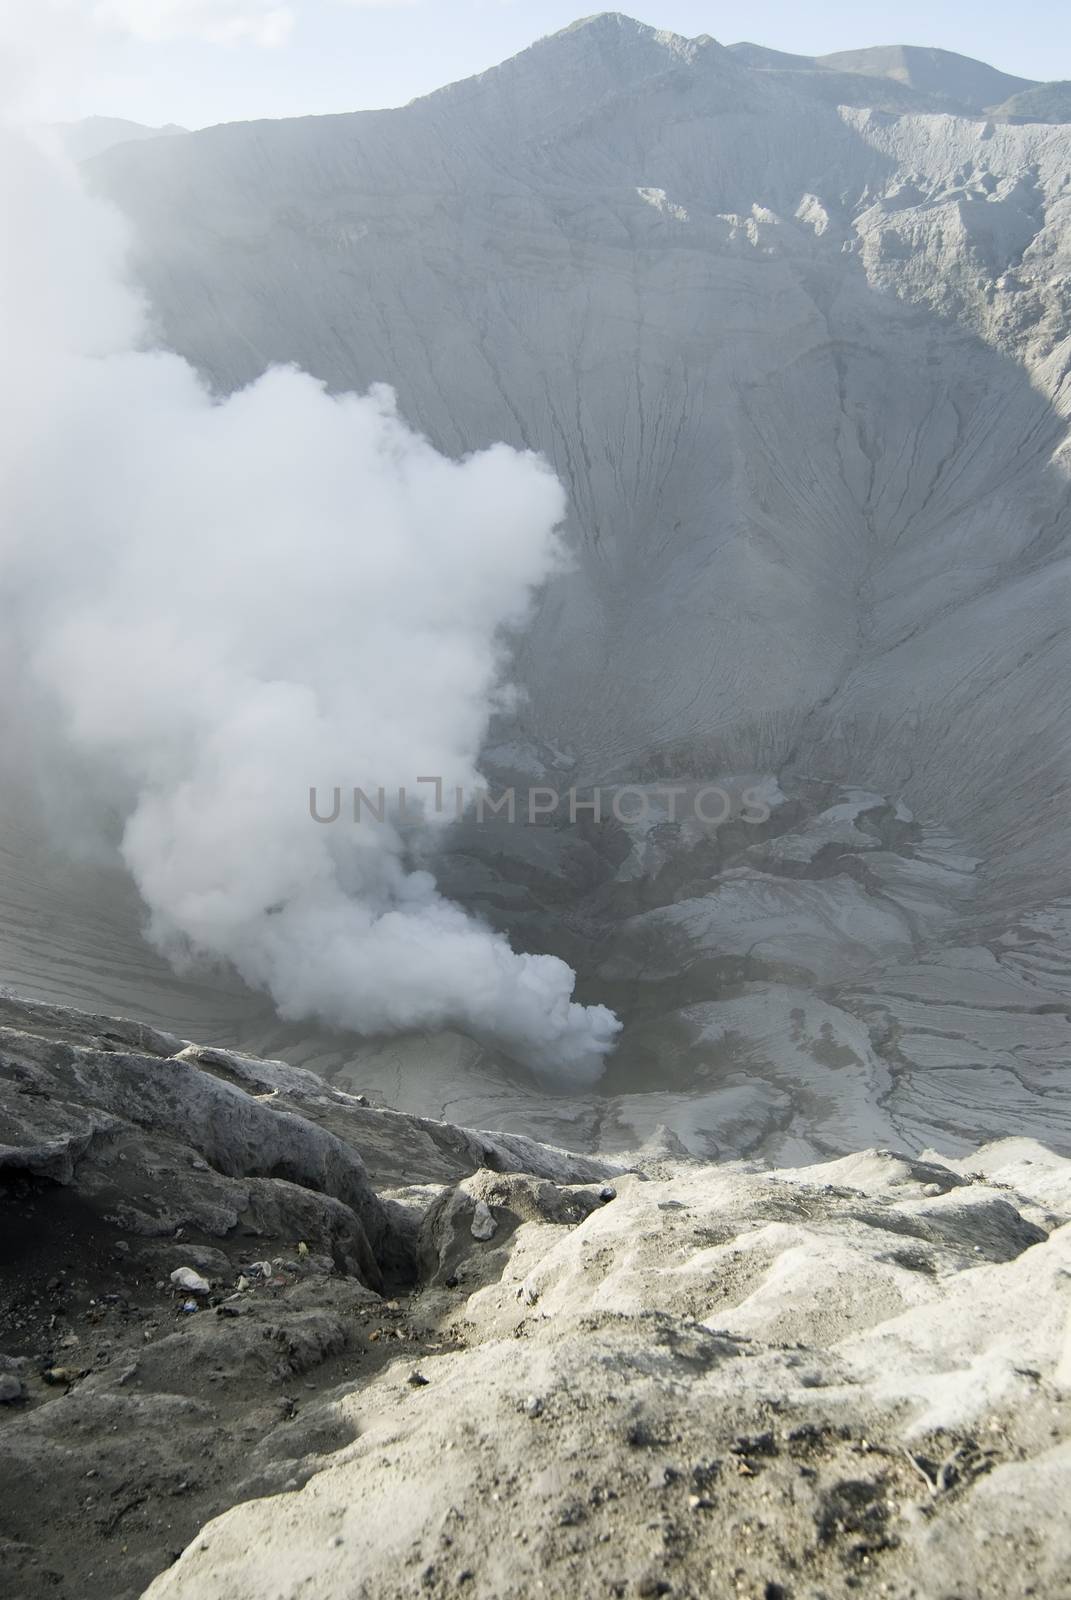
[[607, 1192], [417, 1380], [192, 1282], [189, 1306], [484, 1226], [932, 1189], [755, 1444], [10, 1388], [534, 1406]]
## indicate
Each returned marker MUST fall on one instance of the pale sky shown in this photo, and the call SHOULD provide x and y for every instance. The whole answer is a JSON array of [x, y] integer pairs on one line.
[[201, 61]]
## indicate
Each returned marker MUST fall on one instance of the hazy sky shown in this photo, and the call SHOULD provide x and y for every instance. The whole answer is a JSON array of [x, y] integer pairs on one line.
[[201, 61]]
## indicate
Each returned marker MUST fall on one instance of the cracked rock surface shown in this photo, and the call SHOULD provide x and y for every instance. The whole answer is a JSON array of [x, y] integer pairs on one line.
[[802, 1383], [197, 1250], [693, 1379]]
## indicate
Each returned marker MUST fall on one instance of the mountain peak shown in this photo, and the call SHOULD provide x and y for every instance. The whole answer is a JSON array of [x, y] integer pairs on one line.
[[613, 30], [608, 23], [596, 56]]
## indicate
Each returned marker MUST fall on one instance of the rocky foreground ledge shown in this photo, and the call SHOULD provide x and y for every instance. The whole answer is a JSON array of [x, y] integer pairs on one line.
[[393, 1357]]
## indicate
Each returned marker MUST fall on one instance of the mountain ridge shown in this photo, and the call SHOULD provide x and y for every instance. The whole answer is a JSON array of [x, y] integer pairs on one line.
[[92, 136], [975, 83]]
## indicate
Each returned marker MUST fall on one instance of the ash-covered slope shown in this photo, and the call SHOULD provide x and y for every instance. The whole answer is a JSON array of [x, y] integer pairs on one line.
[[803, 368], [812, 520], [1044, 102]]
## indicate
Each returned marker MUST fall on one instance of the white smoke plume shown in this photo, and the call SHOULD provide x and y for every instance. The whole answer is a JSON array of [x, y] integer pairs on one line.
[[220, 603]]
